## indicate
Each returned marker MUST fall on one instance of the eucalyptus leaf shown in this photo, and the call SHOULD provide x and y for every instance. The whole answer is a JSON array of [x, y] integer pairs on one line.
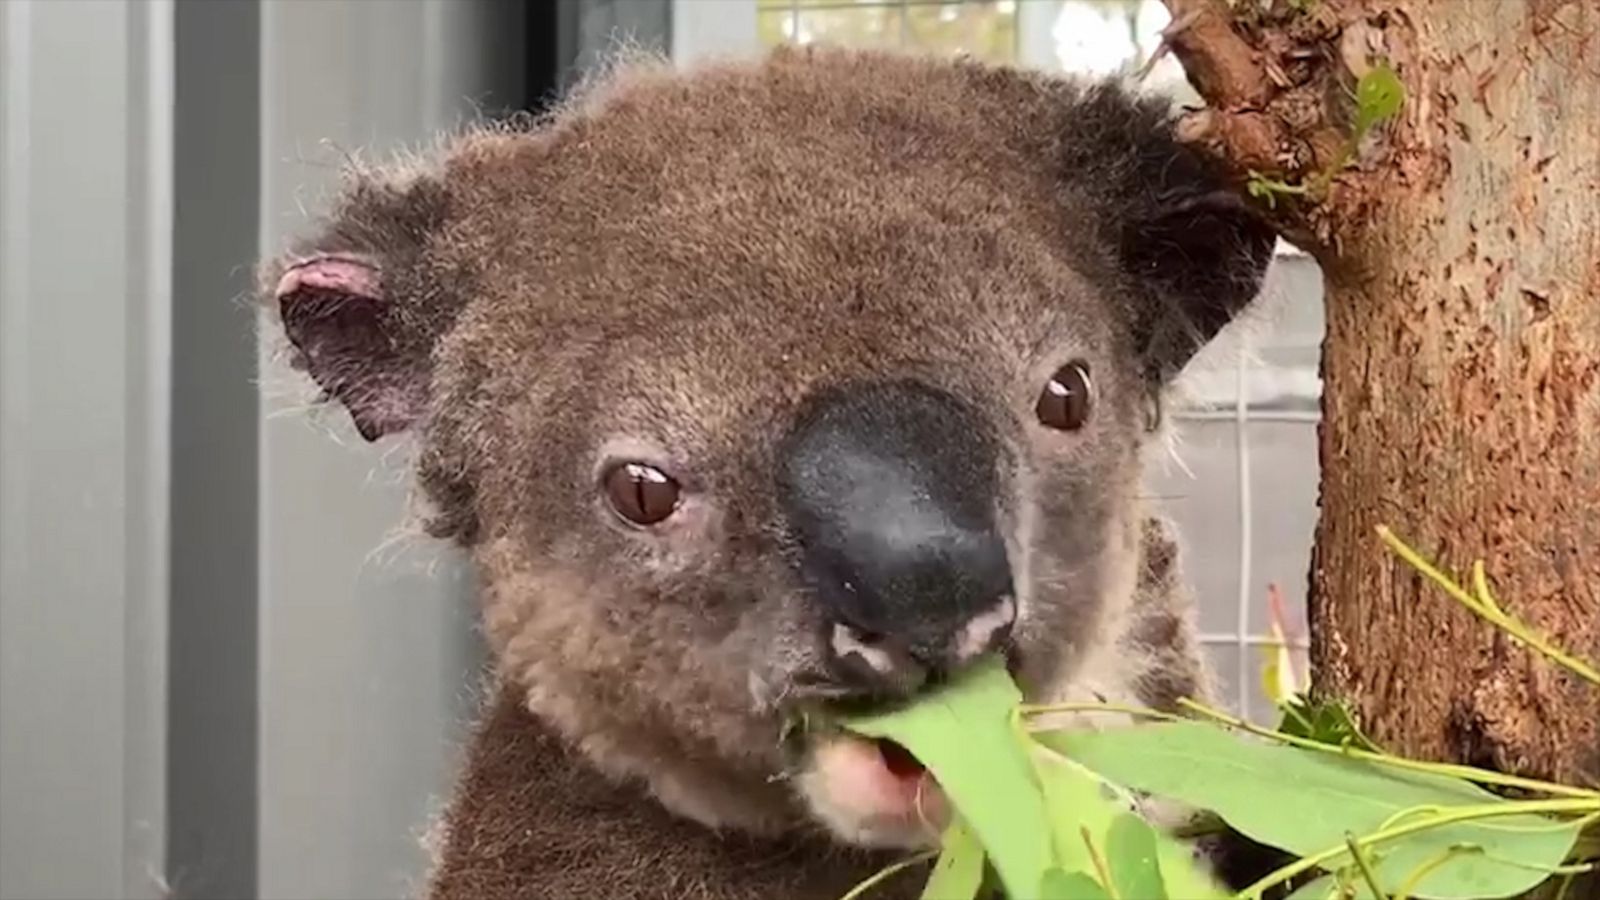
[[1059, 885], [1305, 802], [1184, 878], [966, 736], [1078, 799], [1132, 861], [958, 873]]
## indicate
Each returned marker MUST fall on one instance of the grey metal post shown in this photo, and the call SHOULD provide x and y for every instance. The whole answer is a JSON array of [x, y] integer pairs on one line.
[[85, 206]]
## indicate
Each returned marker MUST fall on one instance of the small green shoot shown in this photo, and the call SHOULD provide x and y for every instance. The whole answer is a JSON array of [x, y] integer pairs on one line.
[[1379, 96], [1269, 190]]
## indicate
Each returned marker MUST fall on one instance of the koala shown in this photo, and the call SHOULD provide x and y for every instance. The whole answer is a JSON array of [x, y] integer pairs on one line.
[[766, 387]]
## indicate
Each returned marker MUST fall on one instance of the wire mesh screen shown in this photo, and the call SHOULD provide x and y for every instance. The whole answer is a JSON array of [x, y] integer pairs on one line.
[[1242, 483]]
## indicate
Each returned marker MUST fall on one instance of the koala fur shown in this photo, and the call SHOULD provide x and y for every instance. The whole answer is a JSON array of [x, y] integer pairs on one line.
[[684, 271]]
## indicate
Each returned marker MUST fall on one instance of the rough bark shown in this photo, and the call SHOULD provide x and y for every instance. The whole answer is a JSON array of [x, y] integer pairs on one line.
[[1462, 361]]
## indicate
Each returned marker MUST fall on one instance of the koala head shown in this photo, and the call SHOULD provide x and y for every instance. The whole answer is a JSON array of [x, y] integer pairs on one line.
[[776, 385]]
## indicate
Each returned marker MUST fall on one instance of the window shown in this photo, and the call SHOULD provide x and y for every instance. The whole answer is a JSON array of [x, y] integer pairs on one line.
[[1242, 485], [985, 30], [1096, 36]]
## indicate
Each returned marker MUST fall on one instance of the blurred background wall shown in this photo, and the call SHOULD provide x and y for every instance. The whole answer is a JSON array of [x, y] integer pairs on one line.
[[223, 674]]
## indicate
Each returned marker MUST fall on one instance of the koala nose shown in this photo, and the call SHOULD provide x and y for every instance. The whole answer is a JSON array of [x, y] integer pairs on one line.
[[890, 490]]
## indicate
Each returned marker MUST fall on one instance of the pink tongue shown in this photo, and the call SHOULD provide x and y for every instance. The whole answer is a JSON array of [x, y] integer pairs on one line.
[[898, 760]]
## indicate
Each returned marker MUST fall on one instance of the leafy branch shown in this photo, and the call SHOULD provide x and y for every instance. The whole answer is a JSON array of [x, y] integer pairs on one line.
[[1052, 807], [1481, 602]]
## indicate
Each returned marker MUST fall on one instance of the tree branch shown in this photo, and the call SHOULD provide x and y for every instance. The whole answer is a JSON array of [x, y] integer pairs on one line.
[[1224, 68], [1274, 81]]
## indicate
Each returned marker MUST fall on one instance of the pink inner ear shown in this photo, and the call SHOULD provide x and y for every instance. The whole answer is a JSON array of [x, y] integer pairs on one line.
[[332, 274]]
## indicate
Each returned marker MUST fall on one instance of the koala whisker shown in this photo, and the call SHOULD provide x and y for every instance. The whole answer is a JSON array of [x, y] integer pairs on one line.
[[919, 802]]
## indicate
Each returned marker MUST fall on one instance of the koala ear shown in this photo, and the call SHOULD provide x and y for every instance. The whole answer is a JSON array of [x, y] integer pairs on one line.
[[344, 332], [362, 305], [1198, 258], [1192, 250]]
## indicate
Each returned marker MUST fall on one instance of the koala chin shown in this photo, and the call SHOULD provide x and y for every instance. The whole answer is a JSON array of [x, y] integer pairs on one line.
[[768, 387]]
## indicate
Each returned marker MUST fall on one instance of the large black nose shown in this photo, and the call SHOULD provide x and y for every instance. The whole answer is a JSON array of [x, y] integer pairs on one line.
[[891, 490]]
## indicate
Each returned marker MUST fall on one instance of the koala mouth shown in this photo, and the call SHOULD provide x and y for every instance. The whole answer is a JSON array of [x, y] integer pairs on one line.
[[898, 760], [873, 792]]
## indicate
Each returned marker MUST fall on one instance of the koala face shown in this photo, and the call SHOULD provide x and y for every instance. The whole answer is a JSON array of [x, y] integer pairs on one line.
[[778, 385]]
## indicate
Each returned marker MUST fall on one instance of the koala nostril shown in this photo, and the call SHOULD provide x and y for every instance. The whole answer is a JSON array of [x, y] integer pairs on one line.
[[871, 659], [847, 641], [891, 491], [884, 664], [986, 630]]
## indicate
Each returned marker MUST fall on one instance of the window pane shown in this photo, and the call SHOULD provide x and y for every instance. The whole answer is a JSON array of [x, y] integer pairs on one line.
[[1095, 36], [984, 29], [1283, 512], [1201, 496], [774, 27], [1103, 37], [852, 26], [1224, 660], [801, 4]]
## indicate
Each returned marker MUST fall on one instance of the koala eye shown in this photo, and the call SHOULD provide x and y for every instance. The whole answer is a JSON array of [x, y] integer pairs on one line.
[[1064, 403], [644, 495]]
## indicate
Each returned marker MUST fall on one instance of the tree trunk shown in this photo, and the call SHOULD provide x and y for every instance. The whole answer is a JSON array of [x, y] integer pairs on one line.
[[1462, 361], [1462, 400]]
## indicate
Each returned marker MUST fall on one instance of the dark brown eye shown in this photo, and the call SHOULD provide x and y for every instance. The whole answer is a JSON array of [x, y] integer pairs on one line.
[[644, 495], [1064, 403]]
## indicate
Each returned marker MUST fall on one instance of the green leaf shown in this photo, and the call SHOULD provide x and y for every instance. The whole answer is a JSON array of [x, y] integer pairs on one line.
[[1131, 857], [958, 873], [1379, 94], [1329, 722], [966, 736], [1182, 874], [1306, 802], [1077, 798], [1059, 885]]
